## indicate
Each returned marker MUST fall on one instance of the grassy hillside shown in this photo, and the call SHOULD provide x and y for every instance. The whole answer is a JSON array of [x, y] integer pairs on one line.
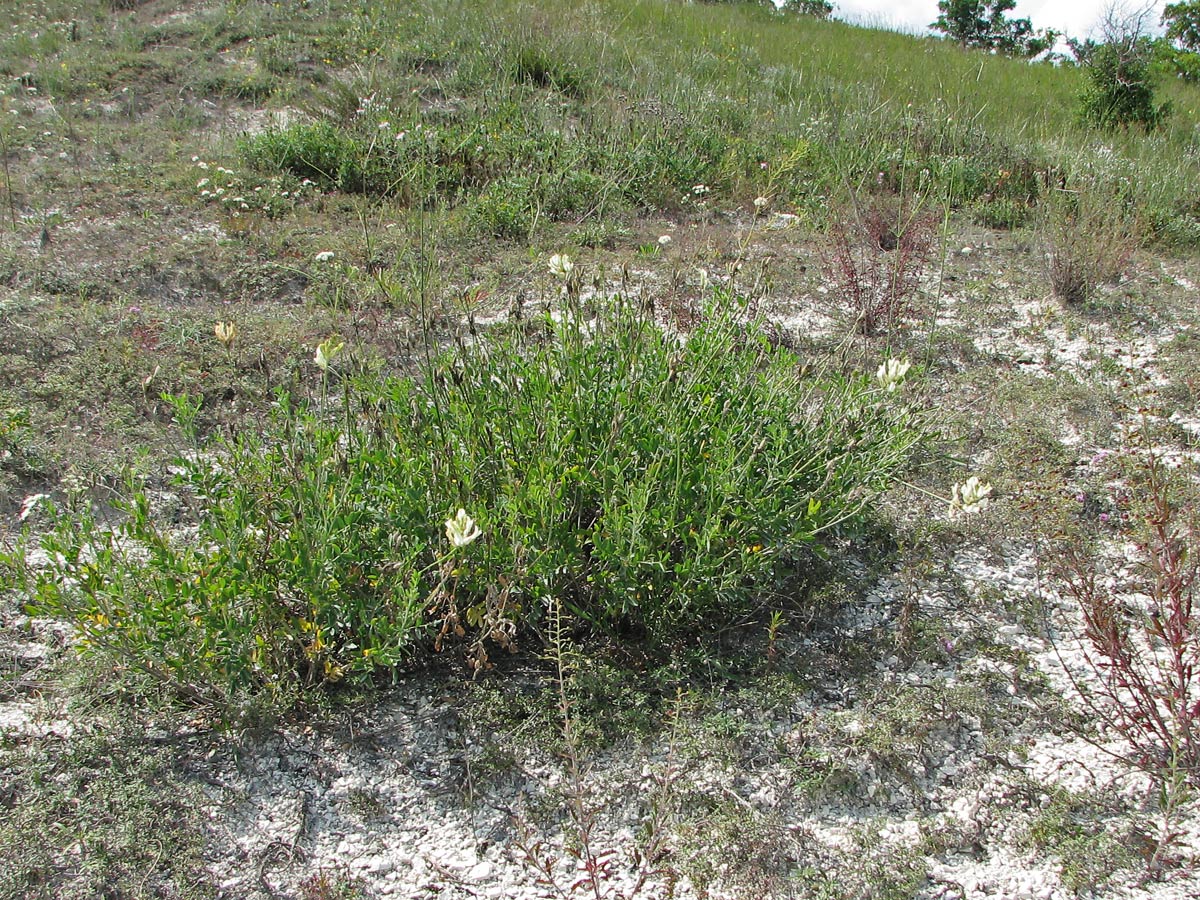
[[457, 394], [396, 134], [824, 105]]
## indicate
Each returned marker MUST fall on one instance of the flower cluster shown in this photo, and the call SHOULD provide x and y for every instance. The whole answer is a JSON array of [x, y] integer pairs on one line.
[[890, 374], [462, 530], [226, 333], [561, 265], [273, 197], [327, 352], [971, 496]]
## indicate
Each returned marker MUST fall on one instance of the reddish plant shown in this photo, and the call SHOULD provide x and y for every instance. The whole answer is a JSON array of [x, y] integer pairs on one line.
[[874, 255], [1145, 641]]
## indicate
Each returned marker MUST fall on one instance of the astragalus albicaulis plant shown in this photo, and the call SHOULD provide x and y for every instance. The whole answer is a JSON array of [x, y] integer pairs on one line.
[[658, 485]]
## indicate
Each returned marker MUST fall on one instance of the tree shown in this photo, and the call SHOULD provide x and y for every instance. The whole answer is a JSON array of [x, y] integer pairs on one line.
[[1182, 49], [1120, 77], [1183, 24], [821, 9], [982, 24]]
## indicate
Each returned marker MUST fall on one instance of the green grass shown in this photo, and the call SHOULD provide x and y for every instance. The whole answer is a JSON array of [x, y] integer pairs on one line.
[[100, 815], [649, 99]]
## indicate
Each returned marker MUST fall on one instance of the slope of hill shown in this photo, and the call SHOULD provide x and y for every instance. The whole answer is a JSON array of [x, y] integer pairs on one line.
[[609, 449]]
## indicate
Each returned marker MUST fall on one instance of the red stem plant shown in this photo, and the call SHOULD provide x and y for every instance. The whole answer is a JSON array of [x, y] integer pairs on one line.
[[1145, 642], [874, 255]]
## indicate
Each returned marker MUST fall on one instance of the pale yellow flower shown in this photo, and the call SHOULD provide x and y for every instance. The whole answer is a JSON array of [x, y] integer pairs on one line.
[[970, 497], [327, 351], [561, 265], [226, 333], [891, 373], [462, 530]]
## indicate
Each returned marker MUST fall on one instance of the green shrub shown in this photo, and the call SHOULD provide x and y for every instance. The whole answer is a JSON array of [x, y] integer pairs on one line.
[[1002, 213], [507, 171], [319, 151], [656, 485], [1120, 88], [504, 209]]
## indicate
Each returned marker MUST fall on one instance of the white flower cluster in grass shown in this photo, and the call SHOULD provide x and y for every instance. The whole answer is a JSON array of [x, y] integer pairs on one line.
[[219, 185]]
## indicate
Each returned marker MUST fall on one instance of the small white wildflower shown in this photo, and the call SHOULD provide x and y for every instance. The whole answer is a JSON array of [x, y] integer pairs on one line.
[[761, 202], [203, 182], [891, 373], [327, 351], [462, 530], [664, 240], [970, 497], [561, 265], [700, 190], [32, 502], [384, 124], [202, 165], [324, 256]]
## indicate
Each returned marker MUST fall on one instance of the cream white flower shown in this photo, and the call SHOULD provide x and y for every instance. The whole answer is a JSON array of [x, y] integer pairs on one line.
[[32, 502], [226, 333], [664, 240], [561, 265], [891, 373], [462, 530], [970, 497], [327, 351], [761, 202], [324, 256]]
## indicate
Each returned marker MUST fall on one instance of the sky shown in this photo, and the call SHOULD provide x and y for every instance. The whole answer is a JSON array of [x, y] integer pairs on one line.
[[1075, 17]]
